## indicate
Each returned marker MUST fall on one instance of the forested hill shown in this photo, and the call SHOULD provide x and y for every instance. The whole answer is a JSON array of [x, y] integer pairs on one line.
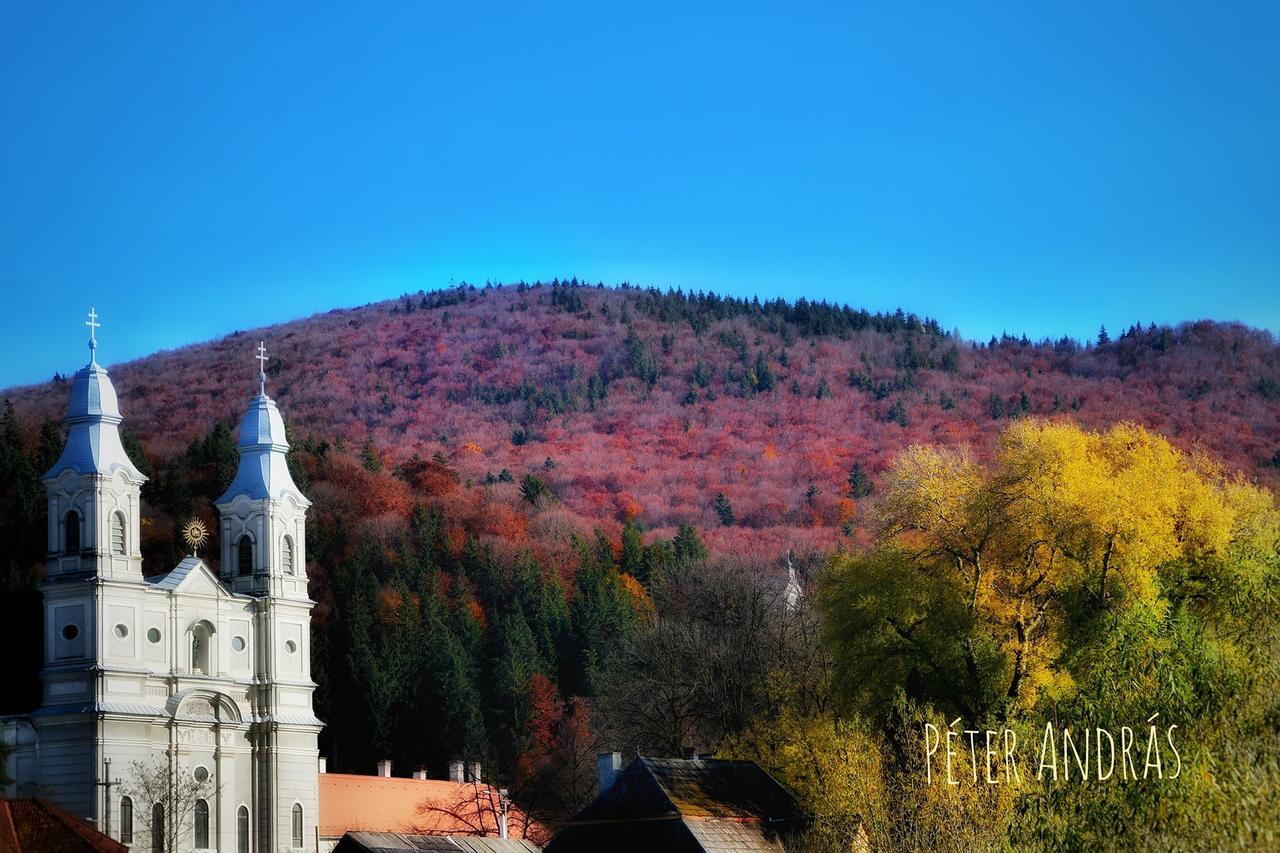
[[747, 420]]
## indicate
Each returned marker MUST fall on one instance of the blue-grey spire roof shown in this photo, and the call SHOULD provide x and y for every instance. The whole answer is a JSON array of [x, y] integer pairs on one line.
[[93, 425], [263, 471]]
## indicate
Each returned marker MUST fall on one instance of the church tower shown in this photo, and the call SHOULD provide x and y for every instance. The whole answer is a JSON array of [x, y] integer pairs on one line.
[[94, 489], [263, 535], [263, 514]]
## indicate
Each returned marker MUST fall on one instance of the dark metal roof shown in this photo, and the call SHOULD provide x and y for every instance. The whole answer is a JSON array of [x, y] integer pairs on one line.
[[694, 805], [394, 842]]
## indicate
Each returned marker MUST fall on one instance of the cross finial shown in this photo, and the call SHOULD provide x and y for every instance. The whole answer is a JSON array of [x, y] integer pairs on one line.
[[262, 367], [93, 324]]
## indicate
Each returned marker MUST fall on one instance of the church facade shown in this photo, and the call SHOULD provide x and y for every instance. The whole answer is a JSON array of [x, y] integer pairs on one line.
[[194, 683]]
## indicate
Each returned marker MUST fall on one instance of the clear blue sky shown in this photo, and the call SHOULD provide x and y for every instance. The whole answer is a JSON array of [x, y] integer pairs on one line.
[[1039, 168]]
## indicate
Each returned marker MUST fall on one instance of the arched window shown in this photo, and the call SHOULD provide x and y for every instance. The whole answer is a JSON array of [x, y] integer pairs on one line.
[[286, 555], [200, 639], [117, 533], [157, 829], [126, 820], [242, 830], [71, 533], [244, 555], [202, 824], [297, 825]]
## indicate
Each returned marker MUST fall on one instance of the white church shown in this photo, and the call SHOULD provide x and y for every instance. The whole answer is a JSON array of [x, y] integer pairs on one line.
[[202, 675]]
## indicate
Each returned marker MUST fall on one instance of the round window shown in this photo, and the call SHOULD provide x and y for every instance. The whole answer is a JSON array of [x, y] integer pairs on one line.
[[121, 630], [237, 643], [290, 646], [70, 632], [153, 635], [201, 773]]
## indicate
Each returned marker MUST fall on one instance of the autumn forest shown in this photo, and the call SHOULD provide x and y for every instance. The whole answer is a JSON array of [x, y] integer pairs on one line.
[[555, 518]]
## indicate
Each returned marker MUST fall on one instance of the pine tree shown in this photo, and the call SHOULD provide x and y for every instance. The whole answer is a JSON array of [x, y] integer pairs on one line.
[[724, 509], [370, 459], [687, 545], [631, 557], [859, 483], [1103, 337]]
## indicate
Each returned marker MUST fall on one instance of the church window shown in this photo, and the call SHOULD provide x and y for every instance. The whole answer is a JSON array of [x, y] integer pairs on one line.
[[286, 555], [157, 828], [202, 824], [200, 648], [244, 555], [70, 632], [242, 830], [121, 630], [126, 820], [290, 646], [153, 635], [201, 774], [297, 825], [117, 534], [237, 644], [71, 533]]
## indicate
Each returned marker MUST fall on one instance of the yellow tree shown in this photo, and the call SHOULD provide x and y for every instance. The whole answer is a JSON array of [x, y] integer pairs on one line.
[[1059, 518]]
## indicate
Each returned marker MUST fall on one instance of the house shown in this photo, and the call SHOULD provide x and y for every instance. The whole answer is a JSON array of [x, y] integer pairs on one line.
[[695, 805], [38, 826], [386, 805]]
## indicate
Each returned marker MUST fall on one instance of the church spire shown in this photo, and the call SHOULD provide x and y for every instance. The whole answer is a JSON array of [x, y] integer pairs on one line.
[[93, 420], [263, 472]]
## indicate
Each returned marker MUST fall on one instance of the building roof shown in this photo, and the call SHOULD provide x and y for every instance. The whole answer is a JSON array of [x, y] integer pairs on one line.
[[695, 805], [392, 804], [263, 473], [38, 826], [93, 428], [391, 842]]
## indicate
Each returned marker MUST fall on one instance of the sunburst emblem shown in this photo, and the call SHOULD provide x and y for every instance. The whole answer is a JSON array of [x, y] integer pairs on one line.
[[195, 534]]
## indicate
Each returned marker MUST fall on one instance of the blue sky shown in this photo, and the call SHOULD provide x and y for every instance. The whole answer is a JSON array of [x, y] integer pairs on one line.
[[195, 169]]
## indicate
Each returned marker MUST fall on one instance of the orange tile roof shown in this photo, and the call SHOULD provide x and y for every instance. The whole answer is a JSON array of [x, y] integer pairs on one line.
[[38, 826], [351, 803]]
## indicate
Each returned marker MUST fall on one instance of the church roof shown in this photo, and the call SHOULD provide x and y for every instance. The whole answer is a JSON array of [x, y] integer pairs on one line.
[[171, 579], [263, 473], [38, 826], [93, 420]]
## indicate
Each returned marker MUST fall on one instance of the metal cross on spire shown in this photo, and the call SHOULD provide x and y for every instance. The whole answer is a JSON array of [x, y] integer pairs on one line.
[[262, 367], [93, 324]]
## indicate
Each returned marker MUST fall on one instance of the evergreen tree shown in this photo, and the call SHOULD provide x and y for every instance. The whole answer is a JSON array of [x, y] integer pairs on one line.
[[724, 509], [631, 557], [687, 544], [859, 482], [370, 459]]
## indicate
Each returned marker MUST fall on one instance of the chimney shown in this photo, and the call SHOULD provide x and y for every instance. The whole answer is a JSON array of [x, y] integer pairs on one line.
[[420, 773], [384, 767], [456, 770], [324, 764], [473, 772], [610, 765]]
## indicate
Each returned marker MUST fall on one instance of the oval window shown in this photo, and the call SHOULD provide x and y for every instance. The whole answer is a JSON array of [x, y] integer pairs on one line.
[[153, 635], [70, 632], [201, 774], [290, 646], [121, 630], [237, 643]]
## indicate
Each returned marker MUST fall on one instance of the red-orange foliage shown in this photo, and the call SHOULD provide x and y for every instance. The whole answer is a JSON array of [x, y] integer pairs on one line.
[[502, 383]]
